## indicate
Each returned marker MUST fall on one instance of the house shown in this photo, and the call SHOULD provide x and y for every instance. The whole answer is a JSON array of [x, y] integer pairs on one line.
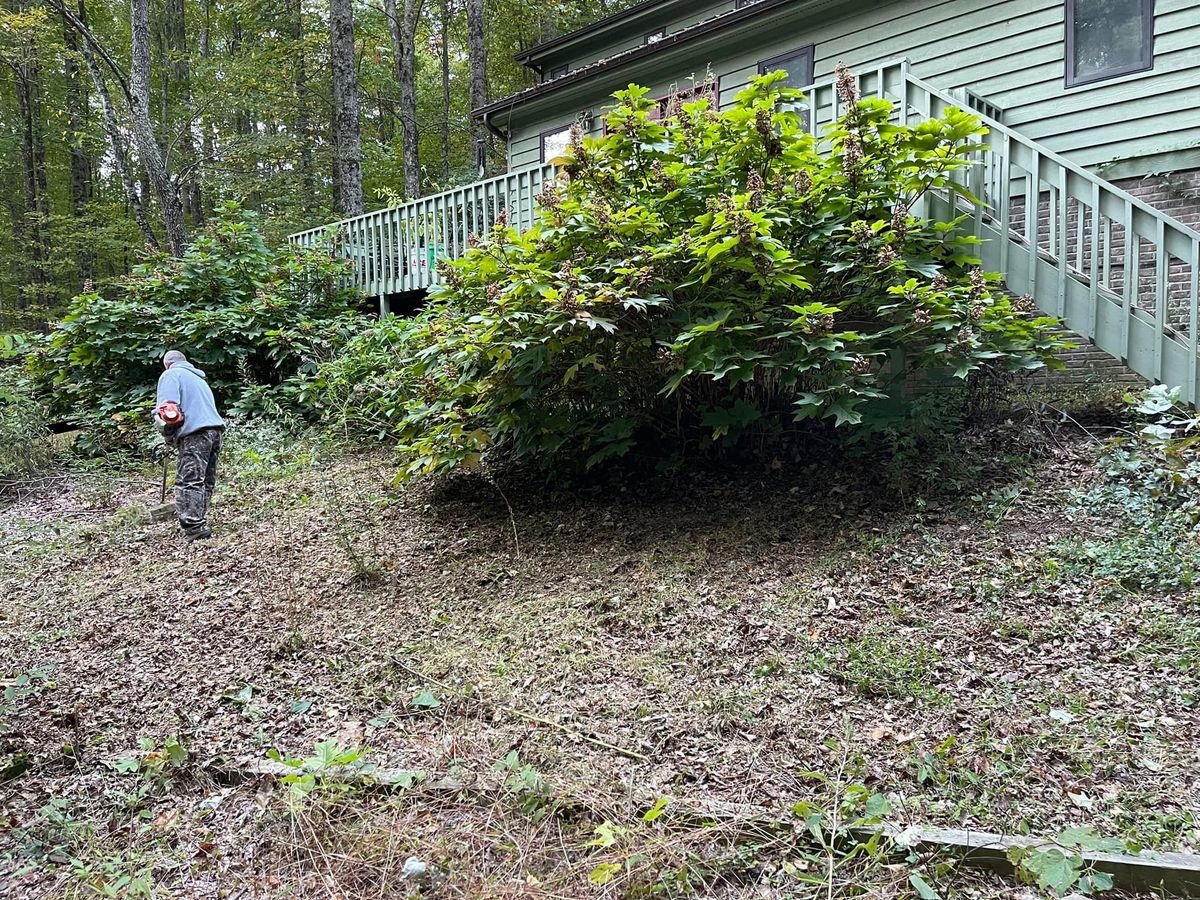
[[1093, 106]]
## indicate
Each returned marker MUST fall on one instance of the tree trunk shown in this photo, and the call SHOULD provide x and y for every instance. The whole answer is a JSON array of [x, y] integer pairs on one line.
[[207, 127], [165, 188], [175, 35], [348, 191], [477, 53], [76, 97], [34, 219], [303, 125], [403, 29], [27, 82], [445, 54], [80, 164], [115, 140]]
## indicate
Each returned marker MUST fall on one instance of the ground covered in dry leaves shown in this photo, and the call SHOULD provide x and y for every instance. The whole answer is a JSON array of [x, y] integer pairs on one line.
[[534, 671]]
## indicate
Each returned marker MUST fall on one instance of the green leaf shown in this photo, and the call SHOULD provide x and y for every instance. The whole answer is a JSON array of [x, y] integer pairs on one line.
[[382, 719], [1052, 869], [878, 806], [921, 886], [656, 810], [1086, 837], [607, 834], [407, 779], [1098, 881], [604, 873], [426, 700]]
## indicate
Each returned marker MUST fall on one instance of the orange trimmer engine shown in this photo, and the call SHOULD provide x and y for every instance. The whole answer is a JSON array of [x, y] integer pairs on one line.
[[170, 414]]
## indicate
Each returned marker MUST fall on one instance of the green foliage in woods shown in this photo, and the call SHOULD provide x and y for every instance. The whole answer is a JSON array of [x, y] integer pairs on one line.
[[25, 446], [256, 320], [695, 281]]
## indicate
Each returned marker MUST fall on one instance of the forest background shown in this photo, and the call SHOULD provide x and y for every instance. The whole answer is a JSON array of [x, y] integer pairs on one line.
[[125, 123]]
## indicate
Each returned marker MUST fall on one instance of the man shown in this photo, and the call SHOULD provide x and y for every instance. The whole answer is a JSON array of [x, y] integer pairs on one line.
[[197, 438]]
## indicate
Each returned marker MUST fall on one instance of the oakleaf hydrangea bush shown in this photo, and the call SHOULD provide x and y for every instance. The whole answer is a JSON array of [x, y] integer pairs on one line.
[[695, 279]]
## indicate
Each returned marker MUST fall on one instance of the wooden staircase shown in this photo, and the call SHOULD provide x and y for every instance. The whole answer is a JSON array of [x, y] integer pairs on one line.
[[1118, 272]]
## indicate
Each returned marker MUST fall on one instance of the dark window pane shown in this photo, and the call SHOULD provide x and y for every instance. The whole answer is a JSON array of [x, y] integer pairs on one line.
[[1109, 37], [798, 65]]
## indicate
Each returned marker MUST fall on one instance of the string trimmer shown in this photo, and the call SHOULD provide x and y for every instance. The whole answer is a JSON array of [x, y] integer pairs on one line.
[[164, 510]]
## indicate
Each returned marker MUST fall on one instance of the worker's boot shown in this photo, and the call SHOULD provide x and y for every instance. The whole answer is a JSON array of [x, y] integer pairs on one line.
[[199, 533]]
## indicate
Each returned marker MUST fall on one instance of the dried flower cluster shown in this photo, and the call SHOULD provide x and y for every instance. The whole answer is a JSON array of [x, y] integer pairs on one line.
[[757, 189]]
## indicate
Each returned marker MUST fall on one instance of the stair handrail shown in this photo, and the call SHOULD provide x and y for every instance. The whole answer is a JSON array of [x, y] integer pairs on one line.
[[1046, 153]]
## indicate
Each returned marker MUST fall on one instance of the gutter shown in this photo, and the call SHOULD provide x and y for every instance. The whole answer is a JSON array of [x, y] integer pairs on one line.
[[585, 73], [571, 37], [497, 132]]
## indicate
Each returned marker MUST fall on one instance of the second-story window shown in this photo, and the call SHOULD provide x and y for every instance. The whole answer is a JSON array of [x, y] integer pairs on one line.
[[655, 36], [1107, 38], [558, 72], [797, 63]]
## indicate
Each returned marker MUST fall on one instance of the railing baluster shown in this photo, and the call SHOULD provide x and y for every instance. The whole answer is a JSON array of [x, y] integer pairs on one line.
[[444, 240], [453, 250], [1108, 254], [1094, 262], [1064, 238], [1161, 260], [1129, 277], [1194, 326], [1080, 230], [404, 252], [1033, 219], [1004, 197], [423, 221]]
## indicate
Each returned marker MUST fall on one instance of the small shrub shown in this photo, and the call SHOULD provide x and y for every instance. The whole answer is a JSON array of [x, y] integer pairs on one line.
[[257, 321], [1153, 488], [699, 281], [26, 447]]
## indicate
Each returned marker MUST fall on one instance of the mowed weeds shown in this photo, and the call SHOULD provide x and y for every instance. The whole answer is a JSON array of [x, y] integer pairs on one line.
[[750, 649]]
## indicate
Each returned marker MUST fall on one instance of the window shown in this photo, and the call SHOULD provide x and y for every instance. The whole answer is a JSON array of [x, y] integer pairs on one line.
[[1107, 38], [709, 89], [559, 71], [742, 4], [797, 63], [655, 36], [554, 143], [662, 108]]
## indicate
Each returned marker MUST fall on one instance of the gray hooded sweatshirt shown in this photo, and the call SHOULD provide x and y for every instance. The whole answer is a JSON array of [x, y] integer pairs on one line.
[[184, 384]]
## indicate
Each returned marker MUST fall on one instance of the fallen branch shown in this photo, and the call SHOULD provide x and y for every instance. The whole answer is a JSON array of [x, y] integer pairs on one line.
[[1167, 874]]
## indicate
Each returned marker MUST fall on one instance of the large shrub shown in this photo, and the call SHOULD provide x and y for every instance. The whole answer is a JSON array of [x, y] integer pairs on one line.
[[253, 318], [695, 279]]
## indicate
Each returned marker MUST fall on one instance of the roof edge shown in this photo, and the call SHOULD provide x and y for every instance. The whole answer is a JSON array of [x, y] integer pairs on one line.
[[637, 9], [585, 73]]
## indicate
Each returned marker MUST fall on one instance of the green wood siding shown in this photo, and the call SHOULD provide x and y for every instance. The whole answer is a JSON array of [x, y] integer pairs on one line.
[[1008, 51]]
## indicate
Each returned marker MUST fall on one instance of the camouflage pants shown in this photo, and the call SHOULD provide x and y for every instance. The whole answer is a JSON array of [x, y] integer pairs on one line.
[[196, 476]]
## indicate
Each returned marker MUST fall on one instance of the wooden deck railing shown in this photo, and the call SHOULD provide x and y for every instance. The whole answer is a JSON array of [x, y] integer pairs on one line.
[[396, 250], [1117, 271]]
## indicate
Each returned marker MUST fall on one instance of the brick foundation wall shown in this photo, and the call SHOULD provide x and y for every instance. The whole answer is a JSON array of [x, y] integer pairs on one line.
[[1178, 195]]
